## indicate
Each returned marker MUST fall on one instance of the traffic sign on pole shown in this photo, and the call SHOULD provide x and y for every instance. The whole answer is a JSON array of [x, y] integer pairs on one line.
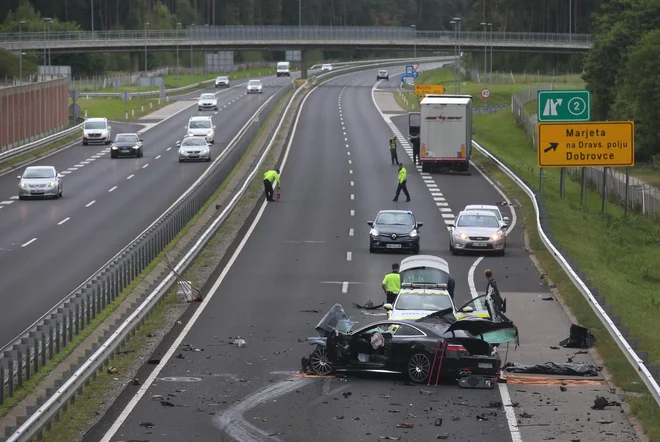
[[602, 143], [425, 89], [485, 93], [556, 106]]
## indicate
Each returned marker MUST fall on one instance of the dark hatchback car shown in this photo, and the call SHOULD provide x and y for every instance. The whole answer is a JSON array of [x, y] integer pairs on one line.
[[409, 347], [127, 145], [394, 230]]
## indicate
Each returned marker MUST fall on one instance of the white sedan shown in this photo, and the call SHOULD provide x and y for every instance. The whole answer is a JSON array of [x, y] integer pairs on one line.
[[326, 67], [504, 220], [207, 102], [255, 87]]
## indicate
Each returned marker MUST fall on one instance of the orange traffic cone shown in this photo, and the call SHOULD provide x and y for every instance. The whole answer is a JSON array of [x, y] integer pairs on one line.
[[278, 194]]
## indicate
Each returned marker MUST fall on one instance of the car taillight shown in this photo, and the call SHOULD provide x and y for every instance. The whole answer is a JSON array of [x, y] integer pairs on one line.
[[456, 347]]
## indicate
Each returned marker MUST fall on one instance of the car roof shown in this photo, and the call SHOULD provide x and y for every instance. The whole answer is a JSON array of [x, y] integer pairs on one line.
[[96, 119], [128, 133], [200, 118], [472, 207], [254, 80], [39, 167], [409, 212], [424, 261], [477, 212]]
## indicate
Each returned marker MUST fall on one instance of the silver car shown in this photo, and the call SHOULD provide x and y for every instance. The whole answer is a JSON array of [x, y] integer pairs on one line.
[[201, 127], [222, 81], [194, 149], [40, 182], [254, 87], [207, 102], [477, 230], [487, 208]]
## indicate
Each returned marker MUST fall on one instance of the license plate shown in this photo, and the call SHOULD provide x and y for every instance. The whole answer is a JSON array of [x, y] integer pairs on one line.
[[484, 365], [479, 244], [37, 192], [393, 246], [193, 156], [126, 150]]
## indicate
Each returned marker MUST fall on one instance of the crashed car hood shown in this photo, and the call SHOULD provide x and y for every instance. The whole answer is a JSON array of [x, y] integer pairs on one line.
[[489, 331]]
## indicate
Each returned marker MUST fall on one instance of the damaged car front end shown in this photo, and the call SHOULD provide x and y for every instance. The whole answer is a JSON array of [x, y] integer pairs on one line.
[[435, 346]]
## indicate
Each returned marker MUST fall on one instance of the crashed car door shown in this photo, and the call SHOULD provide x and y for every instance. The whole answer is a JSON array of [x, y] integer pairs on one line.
[[492, 332], [363, 342], [406, 341]]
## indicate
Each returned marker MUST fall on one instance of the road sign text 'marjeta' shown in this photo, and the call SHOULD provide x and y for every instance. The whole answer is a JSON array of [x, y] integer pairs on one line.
[[586, 144]]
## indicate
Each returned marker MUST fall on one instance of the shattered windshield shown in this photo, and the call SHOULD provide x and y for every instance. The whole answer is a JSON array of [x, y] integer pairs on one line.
[[335, 320]]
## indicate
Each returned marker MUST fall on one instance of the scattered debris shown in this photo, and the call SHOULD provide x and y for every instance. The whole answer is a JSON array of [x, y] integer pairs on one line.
[[600, 403], [180, 356], [494, 404], [405, 425], [552, 347], [389, 438], [394, 411], [147, 425], [438, 422], [153, 361], [405, 384], [339, 417], [547, 298], [355, 418], [603, 421], [279, 433], [481, 417], [425, 392], [347, 394], [562, 388], [157, 398], [526, 415], [136, 381], [442, 436], [579, 337], [188, 347], [553, 368], [309, 311], [475, 381], [112, 370], [368, 306], [240, 342]]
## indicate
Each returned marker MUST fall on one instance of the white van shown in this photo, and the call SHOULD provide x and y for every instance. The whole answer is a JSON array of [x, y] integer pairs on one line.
[[96, 130], [283, 69]]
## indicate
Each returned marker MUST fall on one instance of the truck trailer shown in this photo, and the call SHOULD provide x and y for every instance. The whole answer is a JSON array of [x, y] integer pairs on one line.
[[443, 132]]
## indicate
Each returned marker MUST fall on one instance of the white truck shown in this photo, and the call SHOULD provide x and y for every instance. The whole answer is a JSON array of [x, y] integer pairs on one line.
[[283, 69], [443, 132]]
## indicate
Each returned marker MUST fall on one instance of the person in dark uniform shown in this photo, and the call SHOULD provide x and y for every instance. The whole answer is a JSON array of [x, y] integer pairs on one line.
[[494, 292], [415, 148], [451, 285], [393, 154], [403, 179]]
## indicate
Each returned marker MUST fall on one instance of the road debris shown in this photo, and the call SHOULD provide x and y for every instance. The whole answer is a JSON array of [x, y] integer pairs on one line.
[[481, 417], [157, 398], [579, 337], [426, 392], [309, 311], [389, 438], [600, 403], [135, 381], [154, 361], [438, 422], [405, 425], [553, 368], [112, 370], [147, 425], [188, 347], [368, 306], [339, 417], [442, 436], [240, 342], [603, 421], [562, 388], [347, 394], [526, 415]]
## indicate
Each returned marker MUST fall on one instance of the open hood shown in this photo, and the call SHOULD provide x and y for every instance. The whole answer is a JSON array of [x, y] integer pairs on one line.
[[489, 331]]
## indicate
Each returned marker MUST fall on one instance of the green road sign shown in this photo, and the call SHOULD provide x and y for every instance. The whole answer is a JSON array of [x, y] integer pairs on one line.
[[559, 106]]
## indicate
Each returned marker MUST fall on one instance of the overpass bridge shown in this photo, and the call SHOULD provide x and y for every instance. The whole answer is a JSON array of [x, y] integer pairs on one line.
[[217, 38]]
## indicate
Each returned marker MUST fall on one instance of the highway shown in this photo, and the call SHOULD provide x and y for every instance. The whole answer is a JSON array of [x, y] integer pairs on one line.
[[306, 253], [49, 247]]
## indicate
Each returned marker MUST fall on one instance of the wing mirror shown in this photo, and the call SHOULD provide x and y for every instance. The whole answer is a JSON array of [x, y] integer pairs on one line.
[[178, 143], [387, 307], [505, 225], [213, 127], [369, 223], [141, 140], [467, 310], [452, 225], [59, 175], [419, 225], [18, 177], [109, 127]]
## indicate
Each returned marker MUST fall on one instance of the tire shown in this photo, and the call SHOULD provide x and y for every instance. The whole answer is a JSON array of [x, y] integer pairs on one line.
[[371, 248], [454, 252], [418, 368], [319, 363], [425, 168], [113, 156], [208, 160], [141, 154], [85, 143], [415, 250], [22, 198], [61, 193]]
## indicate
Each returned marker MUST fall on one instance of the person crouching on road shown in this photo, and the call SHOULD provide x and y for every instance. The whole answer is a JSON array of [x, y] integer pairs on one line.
[[393, 154], [392, 284], [269, 177], [403, 179]]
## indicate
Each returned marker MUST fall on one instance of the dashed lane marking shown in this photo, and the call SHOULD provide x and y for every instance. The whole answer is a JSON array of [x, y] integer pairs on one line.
[[29, 242], [15, 197], [63, 221], [129, 177], [158, 156], [89, 204], [6, 202], [112, 189], [349, 256], [351, 232]]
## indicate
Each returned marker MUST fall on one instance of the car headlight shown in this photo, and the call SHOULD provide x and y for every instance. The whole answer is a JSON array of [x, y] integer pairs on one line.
[[462, 236], [190, 134], [136, 147], [114, 147], [210, 134], [52, 184], [496, 236], [374, 232], [413, 234], [23, 186]]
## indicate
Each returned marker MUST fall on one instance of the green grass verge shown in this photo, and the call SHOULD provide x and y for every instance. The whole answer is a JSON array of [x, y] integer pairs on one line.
[[11, 162], [79, 415], [618, 256], [115, 109]]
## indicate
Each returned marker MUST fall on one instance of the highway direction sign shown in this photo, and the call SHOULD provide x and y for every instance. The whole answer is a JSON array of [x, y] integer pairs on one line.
[[556, 106], [610, 143], [424, 89], [485, 93]]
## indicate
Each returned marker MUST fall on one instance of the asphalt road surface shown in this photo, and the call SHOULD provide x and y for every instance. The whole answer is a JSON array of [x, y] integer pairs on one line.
[[49, 247], [306, 253]]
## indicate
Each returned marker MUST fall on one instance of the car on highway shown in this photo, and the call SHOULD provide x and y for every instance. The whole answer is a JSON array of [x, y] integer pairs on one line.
[[255, 87], [504, 220], [201, 127], [477, 230], [194, 149], [326, 67], [96, 130], [409, 347], [222, 81], [40, 182], [207, 102], [383, 75], [129, 145], [394, 230]]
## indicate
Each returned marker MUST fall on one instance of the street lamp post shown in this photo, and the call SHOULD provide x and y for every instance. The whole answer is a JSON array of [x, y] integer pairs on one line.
[[49, 49], [485, 52], [300, 20], [192, 29], [91, 2], [458, 20], [570, 20], [414, 28], [178, 69], [453, 22], [46, 20], [146, 38], [490, 81], [20, 53]]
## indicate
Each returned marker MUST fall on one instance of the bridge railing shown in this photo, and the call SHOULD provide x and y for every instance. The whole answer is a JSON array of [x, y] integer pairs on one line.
[[304, 33]]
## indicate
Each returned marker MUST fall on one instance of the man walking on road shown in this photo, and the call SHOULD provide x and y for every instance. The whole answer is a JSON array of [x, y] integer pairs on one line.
[[269, 177], [451, 285], [493, 294], [403, 179], [395, 157], [392, 284]]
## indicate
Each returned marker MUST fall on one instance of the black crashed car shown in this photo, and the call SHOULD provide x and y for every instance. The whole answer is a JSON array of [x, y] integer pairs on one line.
[[394, 230], [126, 145], [409, 347]]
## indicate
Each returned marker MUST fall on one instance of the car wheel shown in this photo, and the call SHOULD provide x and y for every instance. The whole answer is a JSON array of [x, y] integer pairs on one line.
[[61, 193], [22, 198], [319, 362], [415, 250], [371, 247], [454, 251], [85, 143], [180, 160], [501, 252], [141, 154], [419, 368], [113, 155], [208, 159]]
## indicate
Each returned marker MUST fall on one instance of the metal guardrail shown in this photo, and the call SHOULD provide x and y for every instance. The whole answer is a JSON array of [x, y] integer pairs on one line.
[[56, 328], [542, 220], [20, 150]]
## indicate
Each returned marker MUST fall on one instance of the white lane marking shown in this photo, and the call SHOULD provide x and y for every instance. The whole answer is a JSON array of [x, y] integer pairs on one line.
[[349, 256], [145, 166], [350, 171], [349, 161], [90, 160], [352, 184], [63, 221], [72, 168], [79, 165], [86, 161], [347, 146], [352, 196], [441, 204], [2, 207], [352, 212], [90, 204], [15, 197], [6, 202], [514, 218], [158, 157], [438, 198], [112, 189], [168, 148], [448, 215], [344, 287], [351, 232], [129, 177], [177, 342], [348, 153], [29, 242], [436, 193], [445, 209]]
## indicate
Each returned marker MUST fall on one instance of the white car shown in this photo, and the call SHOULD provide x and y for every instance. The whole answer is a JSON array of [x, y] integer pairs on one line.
[[201, 127], [326, 67], [383, 75], [207, 102], [222, 82], [96, 130], [40, 182], [504, 220], [418, 300], [255, 87], [477, 231]]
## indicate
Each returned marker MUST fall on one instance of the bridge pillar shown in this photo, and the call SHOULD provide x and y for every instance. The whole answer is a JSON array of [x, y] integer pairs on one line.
[[135, 62], [304, 64]]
